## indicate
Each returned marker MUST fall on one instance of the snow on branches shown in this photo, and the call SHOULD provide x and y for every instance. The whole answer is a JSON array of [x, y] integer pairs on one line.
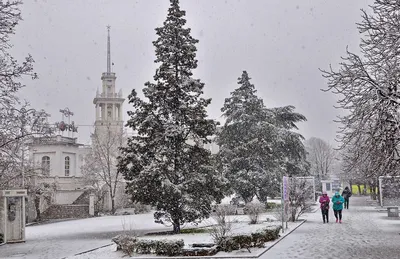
[[165, 164], [368, 88], [257, 144]]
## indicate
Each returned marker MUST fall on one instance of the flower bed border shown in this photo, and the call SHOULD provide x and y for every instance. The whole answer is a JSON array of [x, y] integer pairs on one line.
[[210, 257]]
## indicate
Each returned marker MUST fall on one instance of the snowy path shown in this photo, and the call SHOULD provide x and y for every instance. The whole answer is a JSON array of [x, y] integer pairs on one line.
[[364, 233]]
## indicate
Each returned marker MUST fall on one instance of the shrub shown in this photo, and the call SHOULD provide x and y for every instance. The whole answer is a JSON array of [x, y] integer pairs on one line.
[[221, 231], [146, 246], [271, 234], [1, 238], [169, 247], [256, 239], [254, 210], [129, 244], [125, 243], [194, 230], [200, 251], [243, 241]]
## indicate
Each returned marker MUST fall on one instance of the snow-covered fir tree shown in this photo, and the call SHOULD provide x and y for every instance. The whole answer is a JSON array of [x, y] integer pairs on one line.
[[165, 164], [255, 141]]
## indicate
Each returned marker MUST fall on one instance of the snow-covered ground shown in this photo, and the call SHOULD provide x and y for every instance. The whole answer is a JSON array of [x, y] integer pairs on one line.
[[67, 238], [364, 233]]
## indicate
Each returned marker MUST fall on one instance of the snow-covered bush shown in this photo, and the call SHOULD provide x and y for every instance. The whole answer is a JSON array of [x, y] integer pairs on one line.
[[130, 244], [256, 239], [253, 210], [125, 243], [299, 201], [169, 247], [222, 230], [146, 246]]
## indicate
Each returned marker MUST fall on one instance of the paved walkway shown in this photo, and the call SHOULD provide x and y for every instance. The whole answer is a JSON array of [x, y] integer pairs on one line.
[[365, 233]]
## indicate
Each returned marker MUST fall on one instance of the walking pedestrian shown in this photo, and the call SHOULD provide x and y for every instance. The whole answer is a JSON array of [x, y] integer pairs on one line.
[[346, 195], [337, 201], [324, 200]]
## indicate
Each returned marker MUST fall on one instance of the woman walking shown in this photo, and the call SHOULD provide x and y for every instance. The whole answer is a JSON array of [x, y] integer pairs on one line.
[[346, 195], [337, 201], [324, 200]]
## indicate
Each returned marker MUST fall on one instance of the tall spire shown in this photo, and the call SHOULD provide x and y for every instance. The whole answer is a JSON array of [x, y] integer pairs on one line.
[[108, 50]]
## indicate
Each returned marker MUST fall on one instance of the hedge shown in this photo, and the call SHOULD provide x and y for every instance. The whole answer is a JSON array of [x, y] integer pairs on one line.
[[129, 245]]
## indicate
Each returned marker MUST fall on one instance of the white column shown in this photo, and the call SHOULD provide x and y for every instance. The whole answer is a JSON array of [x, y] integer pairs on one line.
[[103, 111], [91, 204], [97, 112], [120, 112], [113, 112]]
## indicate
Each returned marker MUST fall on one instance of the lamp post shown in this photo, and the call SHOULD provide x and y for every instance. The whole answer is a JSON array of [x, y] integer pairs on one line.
[[282, 203]]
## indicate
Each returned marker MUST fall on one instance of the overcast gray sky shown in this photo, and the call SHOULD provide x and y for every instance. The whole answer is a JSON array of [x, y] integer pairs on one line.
[[281, 44]]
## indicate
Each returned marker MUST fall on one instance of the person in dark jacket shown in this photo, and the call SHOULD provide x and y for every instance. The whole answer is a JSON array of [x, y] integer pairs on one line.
[[346, 195], [324, 200]]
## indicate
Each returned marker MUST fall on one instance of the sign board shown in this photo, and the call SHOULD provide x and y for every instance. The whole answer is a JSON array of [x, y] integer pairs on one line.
[[285, 188], [14, 193]]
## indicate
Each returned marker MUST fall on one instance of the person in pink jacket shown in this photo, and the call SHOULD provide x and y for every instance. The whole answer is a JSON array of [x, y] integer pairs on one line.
[[324, 200]]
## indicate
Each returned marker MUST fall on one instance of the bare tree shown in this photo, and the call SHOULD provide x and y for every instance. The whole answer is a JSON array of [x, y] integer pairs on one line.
[[321, 157], [101, 161], [18, 121], [300, 197], [368, 88]]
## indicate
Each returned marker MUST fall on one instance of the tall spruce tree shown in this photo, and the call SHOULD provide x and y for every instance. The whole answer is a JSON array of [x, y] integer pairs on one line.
[[165, 163], [255, 141]]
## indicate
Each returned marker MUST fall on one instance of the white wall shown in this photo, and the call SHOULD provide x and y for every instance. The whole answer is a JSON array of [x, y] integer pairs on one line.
[[57, 153], [66, 197]]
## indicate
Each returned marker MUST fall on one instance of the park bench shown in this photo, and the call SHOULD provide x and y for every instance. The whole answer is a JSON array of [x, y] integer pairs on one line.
[[393, 211]]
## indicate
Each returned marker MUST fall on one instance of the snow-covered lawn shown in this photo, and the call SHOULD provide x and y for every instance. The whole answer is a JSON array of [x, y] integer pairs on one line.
[[67, 238], [240, 226]]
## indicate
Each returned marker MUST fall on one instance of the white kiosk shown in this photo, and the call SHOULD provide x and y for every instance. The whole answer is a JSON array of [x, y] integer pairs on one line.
[[331, 186], [12, 215]]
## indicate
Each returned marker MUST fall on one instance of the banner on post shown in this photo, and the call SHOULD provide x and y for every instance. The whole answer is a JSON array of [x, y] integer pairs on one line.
[[285, 181]]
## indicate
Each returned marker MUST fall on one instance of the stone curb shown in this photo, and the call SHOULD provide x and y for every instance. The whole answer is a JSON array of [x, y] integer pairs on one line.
[[279, 240], [206, 257]]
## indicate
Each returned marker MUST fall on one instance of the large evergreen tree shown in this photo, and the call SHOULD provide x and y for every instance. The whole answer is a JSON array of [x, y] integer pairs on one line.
[[165, 163], [255, 141]]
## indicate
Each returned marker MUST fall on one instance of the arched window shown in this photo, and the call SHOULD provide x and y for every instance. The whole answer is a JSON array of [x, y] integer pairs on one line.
[[45, 165], [67, 165]]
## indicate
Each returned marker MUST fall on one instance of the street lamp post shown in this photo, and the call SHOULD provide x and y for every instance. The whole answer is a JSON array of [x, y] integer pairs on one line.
[[282, 203]]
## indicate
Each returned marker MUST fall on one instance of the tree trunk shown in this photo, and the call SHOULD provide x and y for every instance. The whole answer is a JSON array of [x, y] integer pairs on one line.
[[359, 189], [37, 208], [176, 226], [112, 205]]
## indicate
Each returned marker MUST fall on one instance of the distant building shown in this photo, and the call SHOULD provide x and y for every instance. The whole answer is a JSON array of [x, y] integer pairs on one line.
[[58, 159]]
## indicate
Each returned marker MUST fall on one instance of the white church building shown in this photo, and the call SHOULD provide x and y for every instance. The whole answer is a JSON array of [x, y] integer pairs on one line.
[[59, 158]]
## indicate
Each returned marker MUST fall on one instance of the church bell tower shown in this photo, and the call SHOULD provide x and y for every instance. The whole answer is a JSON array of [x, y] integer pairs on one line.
[[108, 102]]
